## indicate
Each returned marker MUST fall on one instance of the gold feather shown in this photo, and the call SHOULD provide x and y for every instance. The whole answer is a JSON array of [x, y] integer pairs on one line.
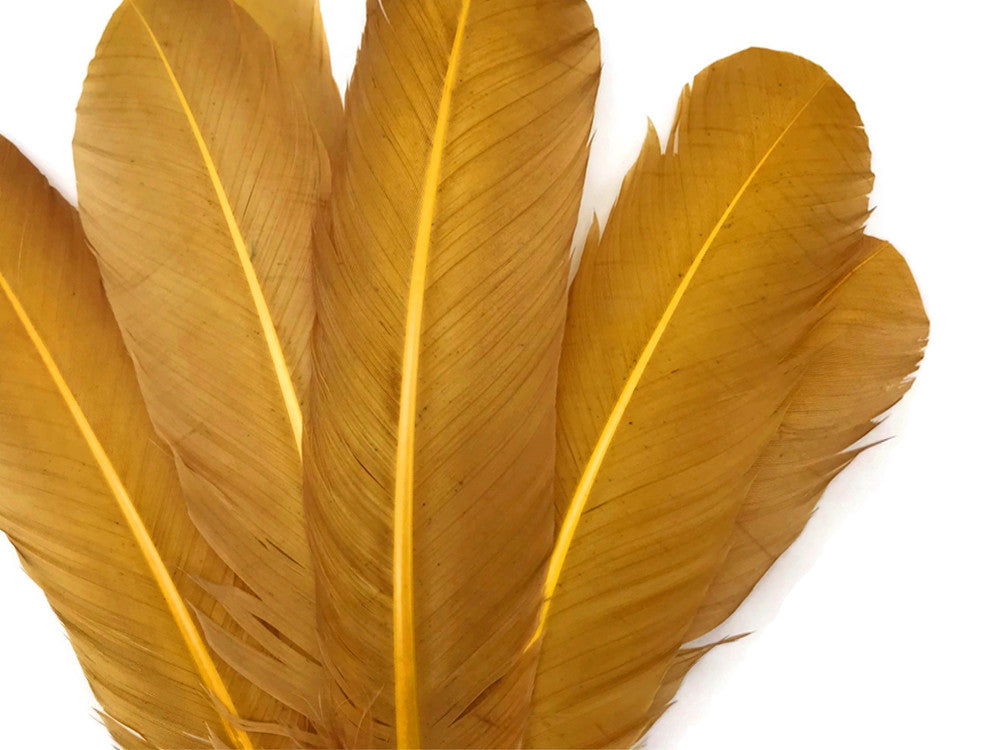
[[418, 495], [441, 301], [199, 175], [862, 354], [91, 499], [683, 344]]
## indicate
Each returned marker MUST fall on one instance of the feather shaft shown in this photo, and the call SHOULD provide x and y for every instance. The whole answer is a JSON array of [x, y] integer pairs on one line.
[[404, 644], [882, 247]]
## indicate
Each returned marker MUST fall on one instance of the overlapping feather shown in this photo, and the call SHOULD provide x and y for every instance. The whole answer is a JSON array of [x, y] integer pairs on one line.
[[199, 176], [90, 494], [688, 339], [861, 355], [296, 28]]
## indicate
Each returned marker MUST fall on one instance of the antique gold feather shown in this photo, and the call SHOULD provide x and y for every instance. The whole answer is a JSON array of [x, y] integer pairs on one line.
[[708, 281], [309, 440], [111, 505], [171, 157], [441, 301]]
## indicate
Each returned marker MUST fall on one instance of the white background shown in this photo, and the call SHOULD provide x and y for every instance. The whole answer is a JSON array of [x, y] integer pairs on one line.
[[879, 628]]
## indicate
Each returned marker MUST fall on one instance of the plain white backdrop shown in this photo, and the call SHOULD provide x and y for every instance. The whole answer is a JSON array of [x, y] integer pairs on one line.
[[878, 629]]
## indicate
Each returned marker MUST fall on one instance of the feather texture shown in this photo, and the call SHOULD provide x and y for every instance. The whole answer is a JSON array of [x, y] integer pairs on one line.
[[441, 303], [683, 344], [199, 176], [419, 493], [866, 348], [91, 499]]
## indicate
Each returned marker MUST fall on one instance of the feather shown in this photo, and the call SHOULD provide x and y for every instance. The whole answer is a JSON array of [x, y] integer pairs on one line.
[[91, 499], [296, 28], [867, 346], [864, 350], [513, 514], [683, 345], [199, 176], [441, 302]]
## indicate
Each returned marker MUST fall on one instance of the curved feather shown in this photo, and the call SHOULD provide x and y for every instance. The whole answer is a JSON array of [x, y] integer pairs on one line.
[[865, 349], [90, 496], [199, 176], [683, 343], [441, 304]]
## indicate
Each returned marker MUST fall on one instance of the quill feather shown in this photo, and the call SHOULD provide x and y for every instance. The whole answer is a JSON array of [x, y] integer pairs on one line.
[[683, 342], [199, 176], [864, 351], [278, 362], [105, 538], [440, 297]]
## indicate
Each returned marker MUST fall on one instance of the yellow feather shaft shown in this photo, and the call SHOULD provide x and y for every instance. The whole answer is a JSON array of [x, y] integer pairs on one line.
[[847, 276], [404, 648]]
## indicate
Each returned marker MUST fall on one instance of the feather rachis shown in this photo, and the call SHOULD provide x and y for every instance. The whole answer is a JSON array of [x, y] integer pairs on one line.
[[407, 702]]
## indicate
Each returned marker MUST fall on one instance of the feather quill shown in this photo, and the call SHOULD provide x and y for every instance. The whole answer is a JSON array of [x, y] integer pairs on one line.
[[441, 298]]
